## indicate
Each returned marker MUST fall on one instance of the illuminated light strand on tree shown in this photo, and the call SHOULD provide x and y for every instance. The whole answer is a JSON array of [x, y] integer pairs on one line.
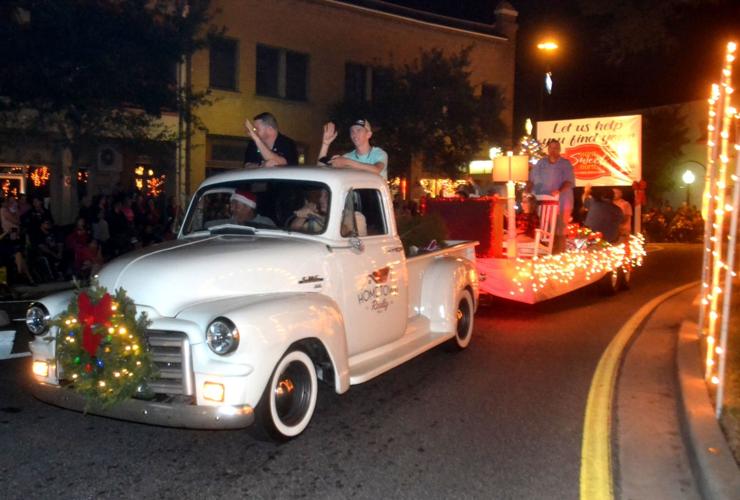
[[719, 213], [708, 202], [40, 176], [535, 274], [720, 350]]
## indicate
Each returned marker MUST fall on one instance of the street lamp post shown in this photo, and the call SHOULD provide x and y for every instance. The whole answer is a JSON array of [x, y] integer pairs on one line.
[[547, 48], [688, 178]]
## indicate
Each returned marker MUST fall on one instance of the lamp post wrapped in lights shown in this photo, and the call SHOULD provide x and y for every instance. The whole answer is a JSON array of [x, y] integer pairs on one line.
[[688, 178], [511, 169]]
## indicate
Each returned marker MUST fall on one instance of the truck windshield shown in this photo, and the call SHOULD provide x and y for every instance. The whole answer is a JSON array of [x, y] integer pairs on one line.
[[282, 205]]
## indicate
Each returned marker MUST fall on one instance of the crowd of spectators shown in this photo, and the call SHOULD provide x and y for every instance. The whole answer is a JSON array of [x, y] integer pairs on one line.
[[34, 249], [662, 223]]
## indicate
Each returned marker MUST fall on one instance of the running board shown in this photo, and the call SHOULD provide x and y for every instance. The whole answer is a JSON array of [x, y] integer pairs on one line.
[[415, 341]]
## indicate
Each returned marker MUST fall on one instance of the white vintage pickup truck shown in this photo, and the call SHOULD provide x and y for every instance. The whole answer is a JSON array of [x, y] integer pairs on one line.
[[247, 316]]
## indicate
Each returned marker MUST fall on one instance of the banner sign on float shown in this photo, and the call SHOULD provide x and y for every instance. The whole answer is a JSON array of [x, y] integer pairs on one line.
[[604, 151]]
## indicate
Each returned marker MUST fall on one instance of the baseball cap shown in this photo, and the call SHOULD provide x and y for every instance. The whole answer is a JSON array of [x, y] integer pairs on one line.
[[362, 122]]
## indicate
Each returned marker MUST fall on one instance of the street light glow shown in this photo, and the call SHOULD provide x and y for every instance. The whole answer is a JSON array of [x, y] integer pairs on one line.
[[688, 177], [548, 82], [548, 46]]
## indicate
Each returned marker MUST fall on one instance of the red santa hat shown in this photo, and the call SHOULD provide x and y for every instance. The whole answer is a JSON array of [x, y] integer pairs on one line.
[[246, 197]]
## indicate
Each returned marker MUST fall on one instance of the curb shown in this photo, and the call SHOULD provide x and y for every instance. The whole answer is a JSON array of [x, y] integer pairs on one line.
[[596, 474], [717, 474]]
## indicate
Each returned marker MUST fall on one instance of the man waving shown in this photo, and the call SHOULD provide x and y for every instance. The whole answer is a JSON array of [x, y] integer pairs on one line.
[[364, 156]]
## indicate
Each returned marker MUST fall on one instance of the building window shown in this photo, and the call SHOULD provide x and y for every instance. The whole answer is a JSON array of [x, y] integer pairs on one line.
[[281, 73], [225, 152], [364, 83], [223, 63], [382, 83], [356, 82]]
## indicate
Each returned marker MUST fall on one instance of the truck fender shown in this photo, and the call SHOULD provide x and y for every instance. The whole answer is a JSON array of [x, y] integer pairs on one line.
[[268, 328], [443, 283]]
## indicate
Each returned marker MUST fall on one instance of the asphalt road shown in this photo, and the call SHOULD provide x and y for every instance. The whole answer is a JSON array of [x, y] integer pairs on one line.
[[502, 419]]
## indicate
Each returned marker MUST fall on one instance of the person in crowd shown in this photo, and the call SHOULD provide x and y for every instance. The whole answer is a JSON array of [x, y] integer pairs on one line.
[[171, 219], [101, 232], [139, 208], [243, 209], [78, 237], [582, 210], [667, 212], [625, 228], [416, 194], [50, 249], [269, 148], [33, 218], [9, 214], [121, 230], [12, 254], [364, 157], [127, 210], [654, 224], [554, 176], [23, 206], [74, 244], [311, 217], [603, 215], [470, 189], [87, 210], [88, 260], [153, 214]]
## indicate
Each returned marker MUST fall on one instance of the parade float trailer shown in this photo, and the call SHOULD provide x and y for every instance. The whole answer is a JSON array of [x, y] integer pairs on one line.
[[604, 151], [531, 273]]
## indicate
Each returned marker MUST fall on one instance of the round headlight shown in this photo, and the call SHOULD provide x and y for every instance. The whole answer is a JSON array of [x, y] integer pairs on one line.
[[37, 319], [222, 336]]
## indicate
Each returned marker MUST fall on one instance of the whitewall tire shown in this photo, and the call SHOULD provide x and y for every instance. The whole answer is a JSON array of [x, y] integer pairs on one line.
[[289, 400], [464, 314]]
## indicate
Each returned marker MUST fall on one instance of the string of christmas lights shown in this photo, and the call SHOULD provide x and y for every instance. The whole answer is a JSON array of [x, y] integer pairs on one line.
[[732, 237], [535, 274], [708, 202], [101, 348], [712, 289]]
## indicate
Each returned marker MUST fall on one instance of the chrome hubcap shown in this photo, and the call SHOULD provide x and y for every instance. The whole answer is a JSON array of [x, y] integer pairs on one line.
[[463, 320], [293, 393]]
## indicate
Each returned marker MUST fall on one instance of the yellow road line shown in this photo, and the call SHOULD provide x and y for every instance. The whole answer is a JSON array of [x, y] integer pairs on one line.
[[596, 481]]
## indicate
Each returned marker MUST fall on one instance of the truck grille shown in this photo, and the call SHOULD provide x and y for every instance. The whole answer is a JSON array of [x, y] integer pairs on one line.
[[171, 355]]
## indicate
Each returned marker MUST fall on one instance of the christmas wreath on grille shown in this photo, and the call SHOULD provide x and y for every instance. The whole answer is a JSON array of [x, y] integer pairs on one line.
[[101, 348]]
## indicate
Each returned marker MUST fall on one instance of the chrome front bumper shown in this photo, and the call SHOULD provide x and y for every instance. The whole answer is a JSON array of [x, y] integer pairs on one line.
[[154, 413]]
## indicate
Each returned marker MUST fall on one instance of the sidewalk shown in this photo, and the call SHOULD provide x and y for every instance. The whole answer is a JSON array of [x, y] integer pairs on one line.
[[667, 442]]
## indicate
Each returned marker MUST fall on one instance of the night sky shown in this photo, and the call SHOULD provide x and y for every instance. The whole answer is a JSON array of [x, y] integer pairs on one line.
[[587, 86]]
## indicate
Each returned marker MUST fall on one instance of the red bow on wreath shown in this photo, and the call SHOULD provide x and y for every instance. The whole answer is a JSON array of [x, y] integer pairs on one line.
[[639, 188], [93, 314]]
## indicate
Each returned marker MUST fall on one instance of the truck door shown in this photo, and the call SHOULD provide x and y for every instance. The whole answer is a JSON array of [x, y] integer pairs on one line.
[[374, 277]]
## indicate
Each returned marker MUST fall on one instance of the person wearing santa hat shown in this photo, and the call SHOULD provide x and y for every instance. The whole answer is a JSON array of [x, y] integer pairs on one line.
[[243, 206]]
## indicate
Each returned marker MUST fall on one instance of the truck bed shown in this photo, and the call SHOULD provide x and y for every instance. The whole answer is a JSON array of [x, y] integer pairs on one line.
[[417, 264]]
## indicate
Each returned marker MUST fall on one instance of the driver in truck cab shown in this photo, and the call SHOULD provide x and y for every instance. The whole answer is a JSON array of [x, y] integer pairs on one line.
[[243, 209]]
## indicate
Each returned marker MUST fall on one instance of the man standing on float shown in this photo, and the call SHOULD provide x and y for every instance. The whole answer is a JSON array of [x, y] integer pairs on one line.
[[554, 176]]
